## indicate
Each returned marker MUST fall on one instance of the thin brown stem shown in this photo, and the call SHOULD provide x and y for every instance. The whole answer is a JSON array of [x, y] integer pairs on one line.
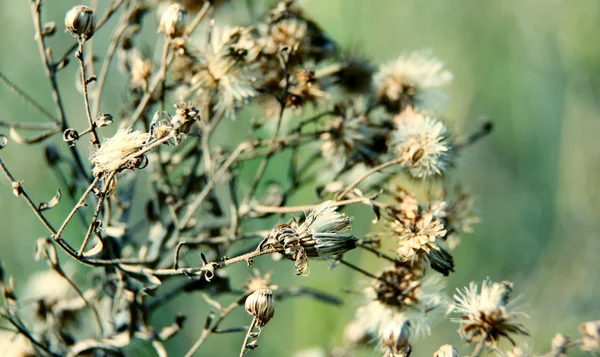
[[50, 69], [101, 199], [29, 101], [211, 184], [245, 205], [305, 208], [198, 18], [247, 337], [367, 174], [156, 82], [79, 205], [112, 47], [84, 83], [211, 266], [480, 345], [209, 330]]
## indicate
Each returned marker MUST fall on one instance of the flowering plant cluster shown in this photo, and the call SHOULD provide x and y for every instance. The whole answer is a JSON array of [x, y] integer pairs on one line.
[[334, 123]]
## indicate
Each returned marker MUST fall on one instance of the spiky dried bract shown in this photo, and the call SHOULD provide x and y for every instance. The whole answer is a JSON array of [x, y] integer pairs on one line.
[[403, 292], [446, 351], [413, 79], [590, 336], [486, 312], [323, 234], [81, 22], [113, 152], [259, 281], [261, 305], [172, 21], [422, 143], [394, 340], [226, 68], [420, 233]]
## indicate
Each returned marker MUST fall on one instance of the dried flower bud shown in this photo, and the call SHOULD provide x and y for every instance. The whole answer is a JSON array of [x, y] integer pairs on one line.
[[261, 305], [590, 336], [446, 351], [104, 119], [172, 22], [80, 22]]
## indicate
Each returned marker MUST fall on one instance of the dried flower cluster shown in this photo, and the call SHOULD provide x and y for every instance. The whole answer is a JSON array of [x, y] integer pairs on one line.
[[340, 126]]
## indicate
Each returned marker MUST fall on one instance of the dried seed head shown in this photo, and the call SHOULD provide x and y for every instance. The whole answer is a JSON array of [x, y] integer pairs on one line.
[[486, 313], [172, 22], [414, 79], [422, 143], [446, 351], [80, 22], [406, 293], [590, 336], [114, 151], [322, 235], [261, 305], [141, 70], [394, 339]]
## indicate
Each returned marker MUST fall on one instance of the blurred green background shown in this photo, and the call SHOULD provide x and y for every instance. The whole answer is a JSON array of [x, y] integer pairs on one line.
[[530, 66]]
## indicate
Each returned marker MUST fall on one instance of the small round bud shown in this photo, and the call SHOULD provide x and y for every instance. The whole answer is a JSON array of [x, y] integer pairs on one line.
[[172, 22], [80, 22], [261, 305]]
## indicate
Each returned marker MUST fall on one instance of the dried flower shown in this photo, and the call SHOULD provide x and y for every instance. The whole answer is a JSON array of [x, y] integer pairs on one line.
[[422, 143], [113, 152], [80, 22], [419, 233], [261, 305], [323, 234], [446, 351], [225, 68], [351, 137], [141, 70], [172, 22], [304, 87], [403, 292], [590, 336], [394, 340], [413, 79], [486, 313], [259, 281]]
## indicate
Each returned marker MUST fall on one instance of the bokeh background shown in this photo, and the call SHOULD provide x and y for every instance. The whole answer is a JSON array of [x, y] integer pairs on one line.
[[530, 66]]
